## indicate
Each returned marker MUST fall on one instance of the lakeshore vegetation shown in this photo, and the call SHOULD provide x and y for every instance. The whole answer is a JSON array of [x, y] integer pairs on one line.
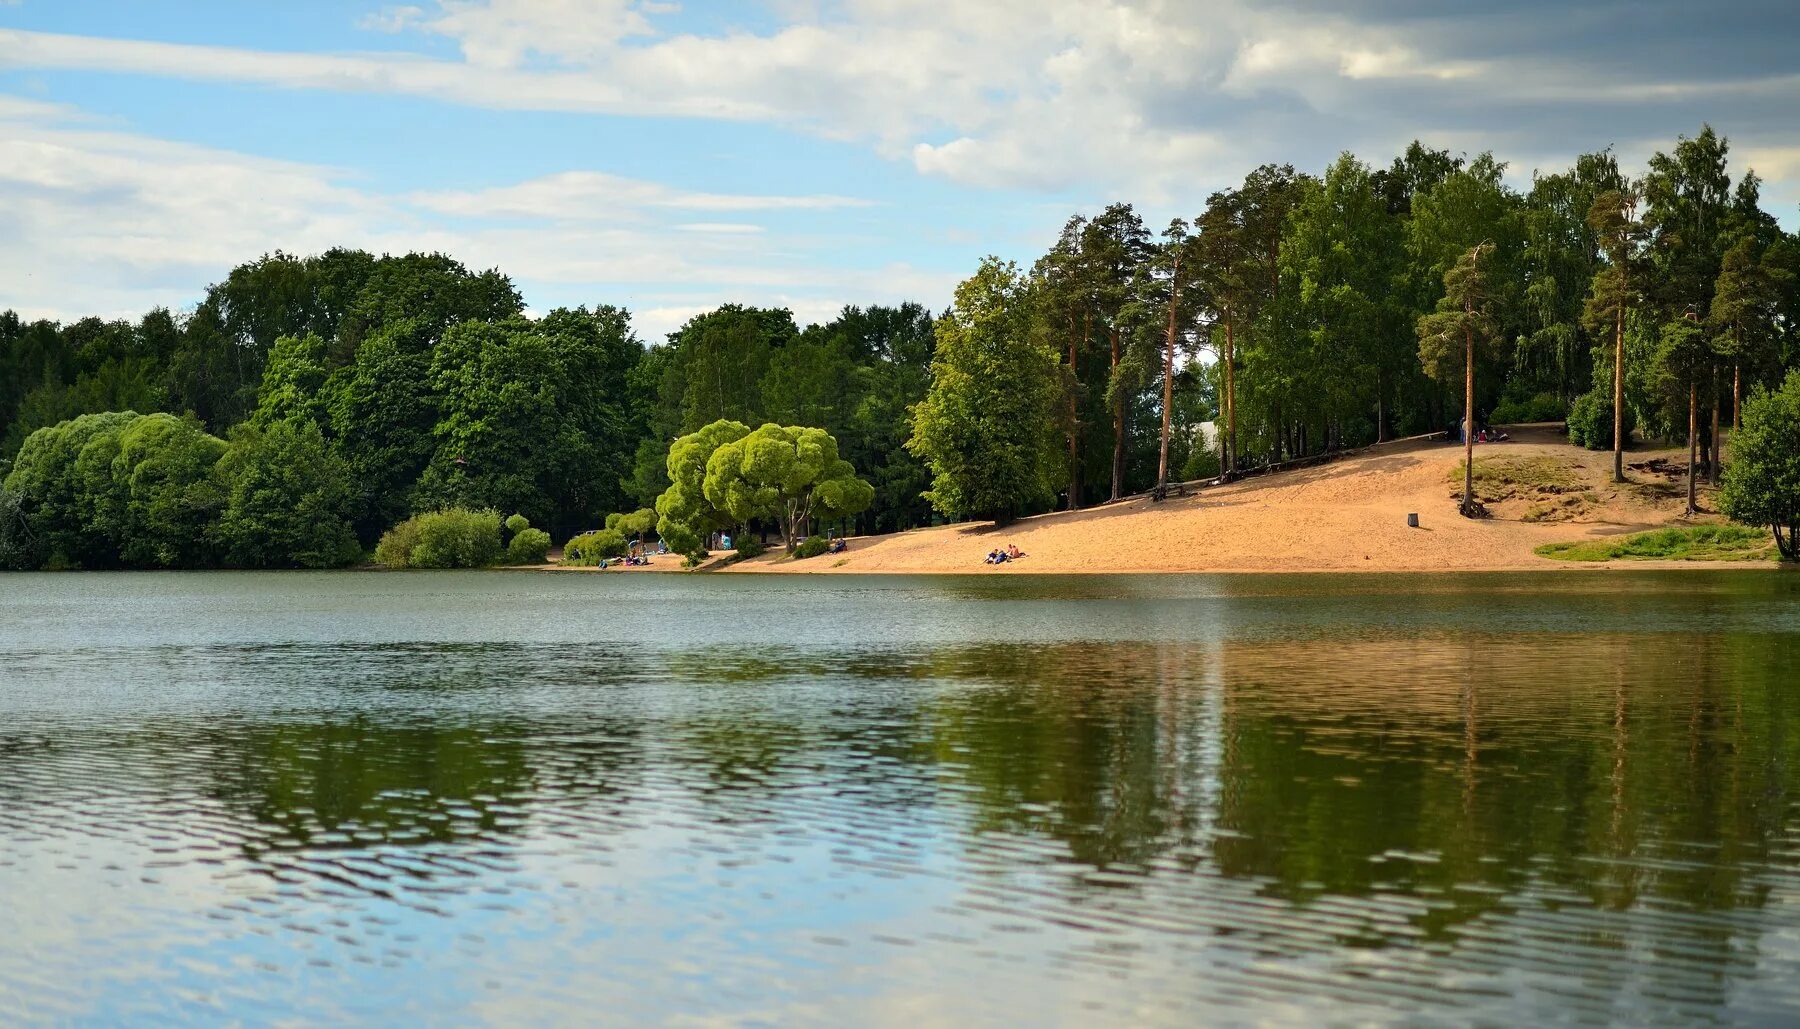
[[314, 411]]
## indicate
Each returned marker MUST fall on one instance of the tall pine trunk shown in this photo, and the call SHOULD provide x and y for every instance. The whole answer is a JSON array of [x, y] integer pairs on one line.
[[1712, 466], [1468, 503], [1118, 462], [1230, 401], [1737, 397], [1162, 460], [1075, 411], [1693, 442], [1380, 411], [1619, 396]]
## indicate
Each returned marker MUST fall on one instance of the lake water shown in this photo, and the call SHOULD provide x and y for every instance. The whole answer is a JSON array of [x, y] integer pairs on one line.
[[889, 800]]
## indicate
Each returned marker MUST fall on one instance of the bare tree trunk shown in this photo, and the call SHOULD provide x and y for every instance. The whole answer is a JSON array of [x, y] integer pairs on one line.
[[1380, 410], [1619, 397], [1693, 442], [1230, 402], [1162, 461], [1118, 462], [1075, 412], [1468, 501], [1737, 397], [1712, 466]]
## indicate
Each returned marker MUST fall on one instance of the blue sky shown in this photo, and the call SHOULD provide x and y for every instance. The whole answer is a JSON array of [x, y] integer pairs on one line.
[[669, 157]]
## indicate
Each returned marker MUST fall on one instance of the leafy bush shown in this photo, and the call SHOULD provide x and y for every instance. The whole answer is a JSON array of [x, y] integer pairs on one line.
[[516, 524], [812, 546], [1203, 463], [451, 538], [590, 548], [394, 550], [1545, 407], [1591, 420], [528, 547], [1762, 483], [748, 546]]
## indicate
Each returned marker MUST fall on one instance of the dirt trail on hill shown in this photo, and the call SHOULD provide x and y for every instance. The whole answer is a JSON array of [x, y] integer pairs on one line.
[[1348, 515]]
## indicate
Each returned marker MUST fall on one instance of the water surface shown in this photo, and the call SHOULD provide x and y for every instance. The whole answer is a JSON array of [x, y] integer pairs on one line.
[[508, 796]]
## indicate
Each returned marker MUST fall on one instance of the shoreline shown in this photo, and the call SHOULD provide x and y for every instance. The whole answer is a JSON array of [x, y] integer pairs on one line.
[[1349, 514], [1546, 565]]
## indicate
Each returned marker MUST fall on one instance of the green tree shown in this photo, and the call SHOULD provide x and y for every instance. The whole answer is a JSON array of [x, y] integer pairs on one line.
[[1613, 220], [1114, 244], [1450, 340], [1174, 280], [383, 417], [52, 497], [1339, 264], [1762, 486], [165, 468], [1685, 354], [288, 499], [293, 383], [18, 546], [896, 344], [685, 517], [987, 427], [721, 358], [791, 474], [1562, 255], [531, 416], [1746, 311]]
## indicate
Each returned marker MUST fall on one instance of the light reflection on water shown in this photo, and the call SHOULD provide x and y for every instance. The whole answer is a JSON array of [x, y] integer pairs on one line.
[[511, 796]]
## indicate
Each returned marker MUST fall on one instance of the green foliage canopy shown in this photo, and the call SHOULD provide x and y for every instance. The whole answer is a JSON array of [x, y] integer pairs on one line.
[[987, 427], [1762, 483], [685, 516], [787, 473]]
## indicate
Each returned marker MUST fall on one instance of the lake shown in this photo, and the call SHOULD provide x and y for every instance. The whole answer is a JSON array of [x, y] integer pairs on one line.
[[511, 796]]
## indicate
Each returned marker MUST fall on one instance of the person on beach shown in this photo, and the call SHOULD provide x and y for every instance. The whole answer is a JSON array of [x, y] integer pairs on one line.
[[1013, 553]]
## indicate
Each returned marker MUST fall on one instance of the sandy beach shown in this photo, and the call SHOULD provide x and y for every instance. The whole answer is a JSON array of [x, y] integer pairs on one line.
[[1347, 515]]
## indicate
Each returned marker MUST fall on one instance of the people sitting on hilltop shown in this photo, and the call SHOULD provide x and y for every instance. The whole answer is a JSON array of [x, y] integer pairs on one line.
[[1013, 553], [837, 546]]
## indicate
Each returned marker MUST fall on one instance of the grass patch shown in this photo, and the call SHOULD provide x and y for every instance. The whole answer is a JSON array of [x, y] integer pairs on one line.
[[1689, 543], [1549, 488], [1500, 478]]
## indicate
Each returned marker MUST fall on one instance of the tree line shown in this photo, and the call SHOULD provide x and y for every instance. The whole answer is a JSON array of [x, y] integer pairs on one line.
[[1309, 313], [1295, 313]]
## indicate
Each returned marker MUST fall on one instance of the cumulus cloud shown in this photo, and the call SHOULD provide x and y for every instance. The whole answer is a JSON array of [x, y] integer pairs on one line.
[[103, 221], [1142, 97], [1157, 101]]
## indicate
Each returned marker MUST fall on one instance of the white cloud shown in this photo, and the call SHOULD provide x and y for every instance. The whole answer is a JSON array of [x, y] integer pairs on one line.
[[1148, 97], [594, 195], [102, 221]]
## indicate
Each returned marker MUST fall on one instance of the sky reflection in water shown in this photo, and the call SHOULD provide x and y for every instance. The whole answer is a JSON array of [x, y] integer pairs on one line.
[[514, 796]]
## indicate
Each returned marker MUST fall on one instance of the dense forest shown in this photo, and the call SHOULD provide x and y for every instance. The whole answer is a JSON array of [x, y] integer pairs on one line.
[[1299, 313]]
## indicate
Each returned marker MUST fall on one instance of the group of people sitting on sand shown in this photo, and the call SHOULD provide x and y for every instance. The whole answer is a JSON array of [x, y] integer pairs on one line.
[[1000, 557], [631, 560], [1484, 434]]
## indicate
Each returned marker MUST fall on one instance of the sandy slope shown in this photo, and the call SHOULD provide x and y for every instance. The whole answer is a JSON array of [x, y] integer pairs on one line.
[[1349, 515]]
